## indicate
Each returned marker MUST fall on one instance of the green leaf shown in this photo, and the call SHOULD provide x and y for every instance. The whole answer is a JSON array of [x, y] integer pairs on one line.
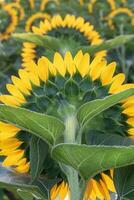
[[38, 153], [91, 160], [109, 44], [91, 109], [108, 139], [20, 182], [48, 42], [46, 127], [124, 182]]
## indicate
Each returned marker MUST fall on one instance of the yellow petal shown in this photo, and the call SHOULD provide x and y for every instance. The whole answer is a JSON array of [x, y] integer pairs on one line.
[[29, 45], [129, 102], [24, 77], [52, 69], [129, 111], [63, 191], [33, 73], [131, 131], [43, 69], [90, 193], [13, 158], [78, 57], [124, 87], [7, 135], [15, 92], [68, 59], [8, 127], [96, 70], [69, 63], [20, 85], [59, 64], [109, 182], [117, 81], [54, 192], [83, 67], [130, 121], [97, 189], [12, 143], [9, 100], [107, 74], [95, 62], [23, 168], [36, 30], [79, 22], [105, 191]]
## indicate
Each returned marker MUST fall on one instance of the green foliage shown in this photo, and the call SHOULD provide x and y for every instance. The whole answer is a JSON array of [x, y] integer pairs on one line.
[[22, 184], [80, 137], [46, 127], [102, 158], [124, 178], [45, 41], [91, 109], [37, 149], [55, 44]]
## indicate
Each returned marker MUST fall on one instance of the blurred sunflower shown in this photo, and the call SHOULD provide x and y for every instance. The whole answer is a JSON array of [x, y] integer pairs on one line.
[[35, 19], [45, 3], [49, 86], [16, 6], [119, 12], [111, 4], [31, 3], [76, 29], [8, 22]]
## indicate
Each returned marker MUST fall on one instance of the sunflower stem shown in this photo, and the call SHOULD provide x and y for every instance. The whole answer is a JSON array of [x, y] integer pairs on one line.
[[72, 174], [83, 185]]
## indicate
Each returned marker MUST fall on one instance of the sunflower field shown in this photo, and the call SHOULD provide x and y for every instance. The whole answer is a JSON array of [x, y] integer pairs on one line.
[[66, 99]]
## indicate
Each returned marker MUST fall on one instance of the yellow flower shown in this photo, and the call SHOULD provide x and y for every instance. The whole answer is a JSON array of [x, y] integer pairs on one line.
[[95, 189], [30, 88], [45, 2], [111, 3], [11, 13], [81, 2], [118, 11], [32, 19], [18, 7], [32, 3], [82, 32]]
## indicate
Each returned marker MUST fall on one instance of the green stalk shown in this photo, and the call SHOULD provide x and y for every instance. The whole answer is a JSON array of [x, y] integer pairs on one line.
[[72, 174]]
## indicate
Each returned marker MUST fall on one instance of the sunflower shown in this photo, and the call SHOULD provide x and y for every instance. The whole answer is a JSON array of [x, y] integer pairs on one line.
[[18, 7], [45, 88], [8, 22], [35, 18], [44, 3], [32, 3], [79, 31], [115, 13], [92, 3]]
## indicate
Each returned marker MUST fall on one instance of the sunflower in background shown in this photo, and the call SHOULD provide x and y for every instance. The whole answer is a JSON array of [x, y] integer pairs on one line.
[[119, 17], [110, 3], [48, 86], [8, 21], [34, 20], [20, 10], [72, 31]]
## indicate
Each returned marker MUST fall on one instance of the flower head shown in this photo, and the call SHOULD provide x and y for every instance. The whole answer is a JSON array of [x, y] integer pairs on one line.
[[16, 6], [45, 87], [9, 21], [111, 3], [35, 18], [79, 31], [119, 11]]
